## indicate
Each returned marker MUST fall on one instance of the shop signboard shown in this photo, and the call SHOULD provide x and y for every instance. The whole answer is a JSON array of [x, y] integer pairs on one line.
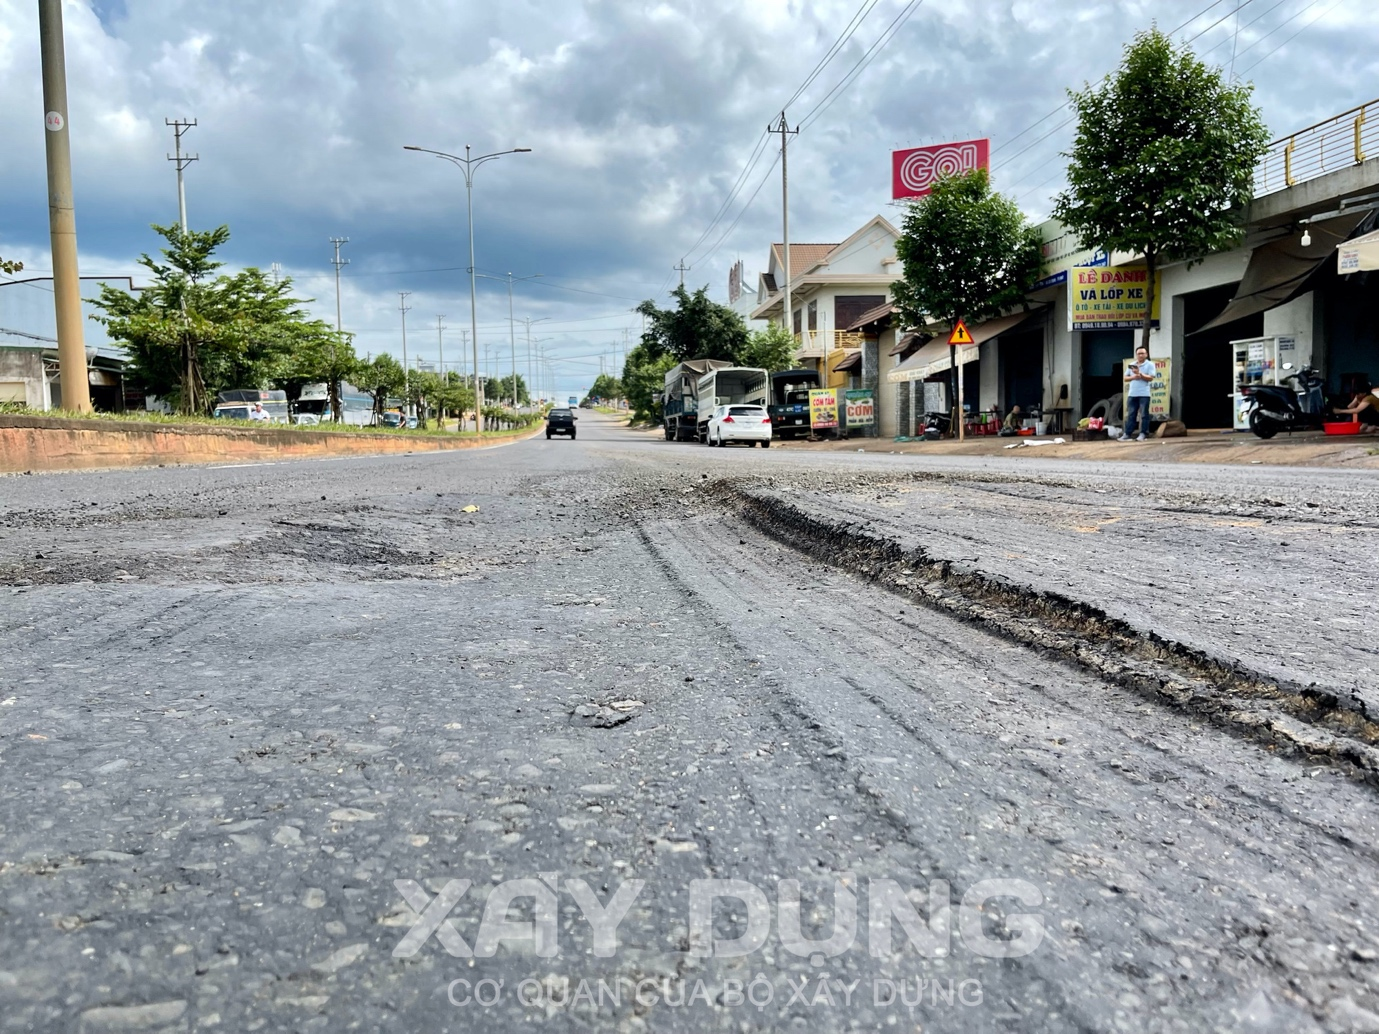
[[1159, 387], [823, 407], [1109, 298], [913, 171], [861, 407], [1062, 251]]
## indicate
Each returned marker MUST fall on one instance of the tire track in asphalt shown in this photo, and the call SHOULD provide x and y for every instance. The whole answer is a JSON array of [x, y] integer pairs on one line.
[[1260, 877], [1313, 721]]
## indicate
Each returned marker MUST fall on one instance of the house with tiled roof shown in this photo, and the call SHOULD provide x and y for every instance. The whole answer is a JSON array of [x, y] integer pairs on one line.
[[831, 285]]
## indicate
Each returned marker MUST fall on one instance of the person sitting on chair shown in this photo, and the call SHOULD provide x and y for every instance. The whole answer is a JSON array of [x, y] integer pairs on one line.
[[1012, 422]]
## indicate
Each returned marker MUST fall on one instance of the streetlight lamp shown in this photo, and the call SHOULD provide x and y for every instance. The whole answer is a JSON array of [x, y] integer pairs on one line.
[[467, 165], [512, 328]]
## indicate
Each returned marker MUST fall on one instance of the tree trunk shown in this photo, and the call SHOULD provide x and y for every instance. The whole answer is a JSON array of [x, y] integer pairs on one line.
[[336, 413]]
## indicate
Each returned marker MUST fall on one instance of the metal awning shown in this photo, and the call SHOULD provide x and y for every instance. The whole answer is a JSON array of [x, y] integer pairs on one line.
[[1358, 255], [934, 358], [849, 362], [909, 342], [1277, 270], [872, 316]]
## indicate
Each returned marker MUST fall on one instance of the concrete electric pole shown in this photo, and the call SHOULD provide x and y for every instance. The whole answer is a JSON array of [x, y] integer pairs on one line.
[[180, 126], [337, 262], [62, 216], [783, 128]]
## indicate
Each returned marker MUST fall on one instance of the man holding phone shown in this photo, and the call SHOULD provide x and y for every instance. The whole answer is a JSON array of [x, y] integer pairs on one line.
[[1138, 378]]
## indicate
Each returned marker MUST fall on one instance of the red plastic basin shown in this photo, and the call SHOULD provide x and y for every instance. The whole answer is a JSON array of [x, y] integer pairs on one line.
[[1348, 427]]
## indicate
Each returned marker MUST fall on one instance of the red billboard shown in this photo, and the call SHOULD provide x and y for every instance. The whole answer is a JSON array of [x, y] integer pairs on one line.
[[913, 171]]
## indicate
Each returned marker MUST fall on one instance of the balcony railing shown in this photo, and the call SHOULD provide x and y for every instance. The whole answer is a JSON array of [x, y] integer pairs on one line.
[[812, 341], [1349, 138]]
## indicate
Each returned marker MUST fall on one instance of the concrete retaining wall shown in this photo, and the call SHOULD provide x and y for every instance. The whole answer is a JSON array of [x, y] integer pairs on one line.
[[43, 443]]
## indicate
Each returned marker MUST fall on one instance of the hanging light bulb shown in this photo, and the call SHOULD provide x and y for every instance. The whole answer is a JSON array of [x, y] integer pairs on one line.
[[1306, 237]]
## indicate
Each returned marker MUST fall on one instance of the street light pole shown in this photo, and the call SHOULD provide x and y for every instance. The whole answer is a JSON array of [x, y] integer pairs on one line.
[[406, 383], [467, 165]]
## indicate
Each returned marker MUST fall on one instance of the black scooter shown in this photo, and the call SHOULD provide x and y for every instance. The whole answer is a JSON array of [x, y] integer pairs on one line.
[[1279, 407]]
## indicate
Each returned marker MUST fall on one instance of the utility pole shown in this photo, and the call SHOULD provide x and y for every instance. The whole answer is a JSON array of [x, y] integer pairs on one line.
[[62, 215], [406, 382], [531, 382], [783, 128], [440, 345], [440, 362], [180, 126], [683, 270], [337, 262]]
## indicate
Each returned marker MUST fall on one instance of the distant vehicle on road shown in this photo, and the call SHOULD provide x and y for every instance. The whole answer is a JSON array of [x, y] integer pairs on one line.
[[356, 406], [394, 420], [560, 421], [750, 424], [239, 403]]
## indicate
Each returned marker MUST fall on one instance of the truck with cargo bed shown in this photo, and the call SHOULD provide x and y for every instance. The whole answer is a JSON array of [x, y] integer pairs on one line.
[[729, 386], [680, 400]]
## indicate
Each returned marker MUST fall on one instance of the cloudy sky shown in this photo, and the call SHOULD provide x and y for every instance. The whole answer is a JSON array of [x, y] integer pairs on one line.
[[641, 117]]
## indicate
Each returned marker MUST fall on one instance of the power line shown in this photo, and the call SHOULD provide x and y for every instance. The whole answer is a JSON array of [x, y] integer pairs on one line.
[[1290, 39], [1038, 122], [866, 59], [759, 149]]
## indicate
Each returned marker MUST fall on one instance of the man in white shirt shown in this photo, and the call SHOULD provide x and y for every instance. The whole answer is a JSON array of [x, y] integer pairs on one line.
[[1138, 378]]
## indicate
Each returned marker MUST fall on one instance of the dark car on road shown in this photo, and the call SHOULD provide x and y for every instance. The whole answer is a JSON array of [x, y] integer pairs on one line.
[[561, 421]]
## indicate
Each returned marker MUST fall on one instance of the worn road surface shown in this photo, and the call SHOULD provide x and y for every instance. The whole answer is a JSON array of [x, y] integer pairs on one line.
[[989, 746]]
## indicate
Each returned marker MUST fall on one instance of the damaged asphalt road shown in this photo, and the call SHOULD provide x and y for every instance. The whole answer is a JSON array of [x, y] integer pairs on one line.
[[238, 706]]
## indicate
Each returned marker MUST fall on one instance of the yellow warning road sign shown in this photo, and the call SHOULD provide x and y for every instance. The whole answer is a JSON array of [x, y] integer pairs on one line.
[[961, 335]]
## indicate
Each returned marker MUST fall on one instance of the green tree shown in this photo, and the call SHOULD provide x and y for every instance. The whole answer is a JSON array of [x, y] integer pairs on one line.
[[644, 379], [423, 389], [500, 388], [1164, 158], [192, 333], [696, 328], [381, 377], [10, 266], [318, 354], [967, 253], [772, 349], [605, 387]]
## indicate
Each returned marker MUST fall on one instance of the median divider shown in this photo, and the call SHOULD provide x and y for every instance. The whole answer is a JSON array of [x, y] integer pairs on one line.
[[37, 443]]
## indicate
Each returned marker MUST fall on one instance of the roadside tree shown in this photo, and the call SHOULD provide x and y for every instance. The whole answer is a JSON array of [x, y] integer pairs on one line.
[[967, 254], [772, 349], [500, 388], [381, 377], [644, 379], [10, 266], [192, 333], [1164, 158], [318, 354], [605, 388], [696, 328]]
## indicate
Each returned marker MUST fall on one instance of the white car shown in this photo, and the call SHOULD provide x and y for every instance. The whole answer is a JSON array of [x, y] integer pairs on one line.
[[749, 424]]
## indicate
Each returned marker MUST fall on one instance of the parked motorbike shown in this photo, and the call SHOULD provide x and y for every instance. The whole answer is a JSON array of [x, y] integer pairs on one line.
[[936, 425], [1295, 405]]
